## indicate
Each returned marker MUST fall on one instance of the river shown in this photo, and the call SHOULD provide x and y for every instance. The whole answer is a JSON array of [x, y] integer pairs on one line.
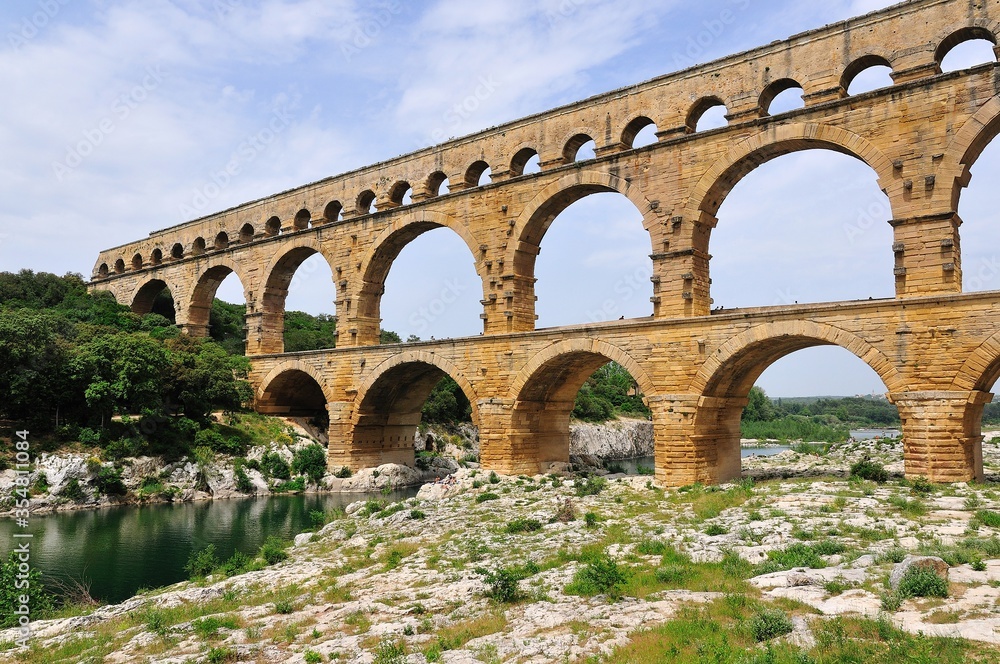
[[119, 550]]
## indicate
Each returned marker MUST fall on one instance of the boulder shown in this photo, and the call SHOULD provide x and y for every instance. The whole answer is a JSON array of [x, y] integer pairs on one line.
[[388, 475], [933, 563]]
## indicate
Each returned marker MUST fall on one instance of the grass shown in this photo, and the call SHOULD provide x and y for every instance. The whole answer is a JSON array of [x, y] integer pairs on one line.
[[728, 631], [457, 635]]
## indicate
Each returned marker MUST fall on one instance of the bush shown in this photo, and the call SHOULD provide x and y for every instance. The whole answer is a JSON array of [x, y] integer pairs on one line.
[[988, 518], [417, 515], [73, 491], [238, 563], [866, 469], [502, 584], [797, 555], [272, 465], [343, 472], [494, 478], [922, 582], [590, 520], [40, 601], [243, 483], [600, 576], [311, 462], [109, 481], [483, 497], [591, 486], [715, 529], [202, 562], [389, 652], [521, 525], [273, 550], [768, 624], [921, 485]]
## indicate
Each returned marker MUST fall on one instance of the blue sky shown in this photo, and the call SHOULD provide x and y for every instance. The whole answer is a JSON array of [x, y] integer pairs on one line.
[[118, 114]]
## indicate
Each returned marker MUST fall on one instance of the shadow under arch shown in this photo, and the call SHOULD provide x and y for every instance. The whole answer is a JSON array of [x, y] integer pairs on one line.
[[389, 403], [538, 215], [723, 383], [295, 389], [543, 394], [141, 300], [384, 251], [202, 295], [278, 275]]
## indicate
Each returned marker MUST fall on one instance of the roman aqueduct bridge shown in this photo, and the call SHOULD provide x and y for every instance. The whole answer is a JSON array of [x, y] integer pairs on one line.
[[936, 348]]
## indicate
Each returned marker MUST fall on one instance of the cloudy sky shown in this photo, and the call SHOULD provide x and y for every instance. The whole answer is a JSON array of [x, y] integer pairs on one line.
[[118, 114]]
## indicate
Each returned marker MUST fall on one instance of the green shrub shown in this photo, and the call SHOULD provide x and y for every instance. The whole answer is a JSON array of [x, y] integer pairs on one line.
[[522, 525], [716, 529], [988, 518], [651, 547], [828, 547], [866, 469], [417, 515], [601, 575], [73, 491], [283, 606], [273, 550], [243, 483], [484, 497], [238, 563], [40, 601], [311, 462], [922, 582], [673, 575], [109, 481], [343, 472], [389, 651], [201, 563], [796, 555], [312, 657], [494, 478], [591, 486], [921, 485], [272, 465], [297, 485], [768, 624], [502, 584], [221, 655], [590, 520]]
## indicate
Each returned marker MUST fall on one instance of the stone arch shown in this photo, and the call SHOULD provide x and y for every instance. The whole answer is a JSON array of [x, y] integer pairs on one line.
[[859, 65], [982, 369], [980, 29], [278, 387], [774, 89], [574, 140], [698, 109], [389, 402], [633, 127], [968, 145], [277, 277], [721, 387], [775, 141], [382, 253], [474, 172], [141, 299], [521, 157], [543, 395], [202, 295]]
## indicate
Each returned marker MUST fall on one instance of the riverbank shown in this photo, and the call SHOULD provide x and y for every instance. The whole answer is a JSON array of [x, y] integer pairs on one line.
[[782, 564]]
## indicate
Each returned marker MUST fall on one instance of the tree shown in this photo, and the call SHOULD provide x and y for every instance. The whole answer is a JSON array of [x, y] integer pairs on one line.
[[33, 368], [13, 585], [759, 408], [389, 337], [203, 377], [447, 404], [121, 373]]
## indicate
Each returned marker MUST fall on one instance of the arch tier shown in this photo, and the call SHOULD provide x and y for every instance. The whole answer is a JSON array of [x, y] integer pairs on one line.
[[920, 136]]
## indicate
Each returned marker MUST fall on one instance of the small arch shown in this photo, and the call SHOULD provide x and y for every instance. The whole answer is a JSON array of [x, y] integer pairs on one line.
[[137, 262], [246, 233], [574, 149], [701, 116], [272, 226], [366, 202], [437, 184], [120, 266], [638, 133], [222, 240], [294, 390], [972, 33], [103, 271], [401, 193], [525, 161], [154, 296], [780, 88], [478, 174], [301, 220], [334, 211], [156, 257], [198, 246], [177, 251], [867, 73]]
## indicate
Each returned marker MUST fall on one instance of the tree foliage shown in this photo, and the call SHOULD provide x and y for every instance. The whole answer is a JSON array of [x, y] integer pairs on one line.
[[608, 393]]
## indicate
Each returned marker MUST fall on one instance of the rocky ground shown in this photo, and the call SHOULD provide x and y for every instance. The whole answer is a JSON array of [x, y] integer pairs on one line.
[[801, 545]]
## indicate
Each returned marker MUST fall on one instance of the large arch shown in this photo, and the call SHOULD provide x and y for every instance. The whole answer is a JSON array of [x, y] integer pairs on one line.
[[538, 215], [378, 260], [202, 295], [389, 403], [543, 395], [968, 145], [142, 298], [294, 389], [723, 383], [267, 336]]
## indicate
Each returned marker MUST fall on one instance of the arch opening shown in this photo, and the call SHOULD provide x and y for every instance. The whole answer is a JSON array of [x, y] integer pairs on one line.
[[137, 262], [707, 113], [302, 219], [805, 227], [272, 226], [120, 266], [198, 246], [478, 174], [295, 394], [579, 148], [156, 257], [438, 184], [779, 388], [177, 251], [154, 297], [103, 271], [966, 48], [298, 308], [334, 211], [596, 263], [246, 233], [366, 202], [524, 162], [639, 133], [568, 385], [401, 193], [781, 96], [867, 73], [392, 408], [423, 281], [222, 241], [980, 230], [218, 309]]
